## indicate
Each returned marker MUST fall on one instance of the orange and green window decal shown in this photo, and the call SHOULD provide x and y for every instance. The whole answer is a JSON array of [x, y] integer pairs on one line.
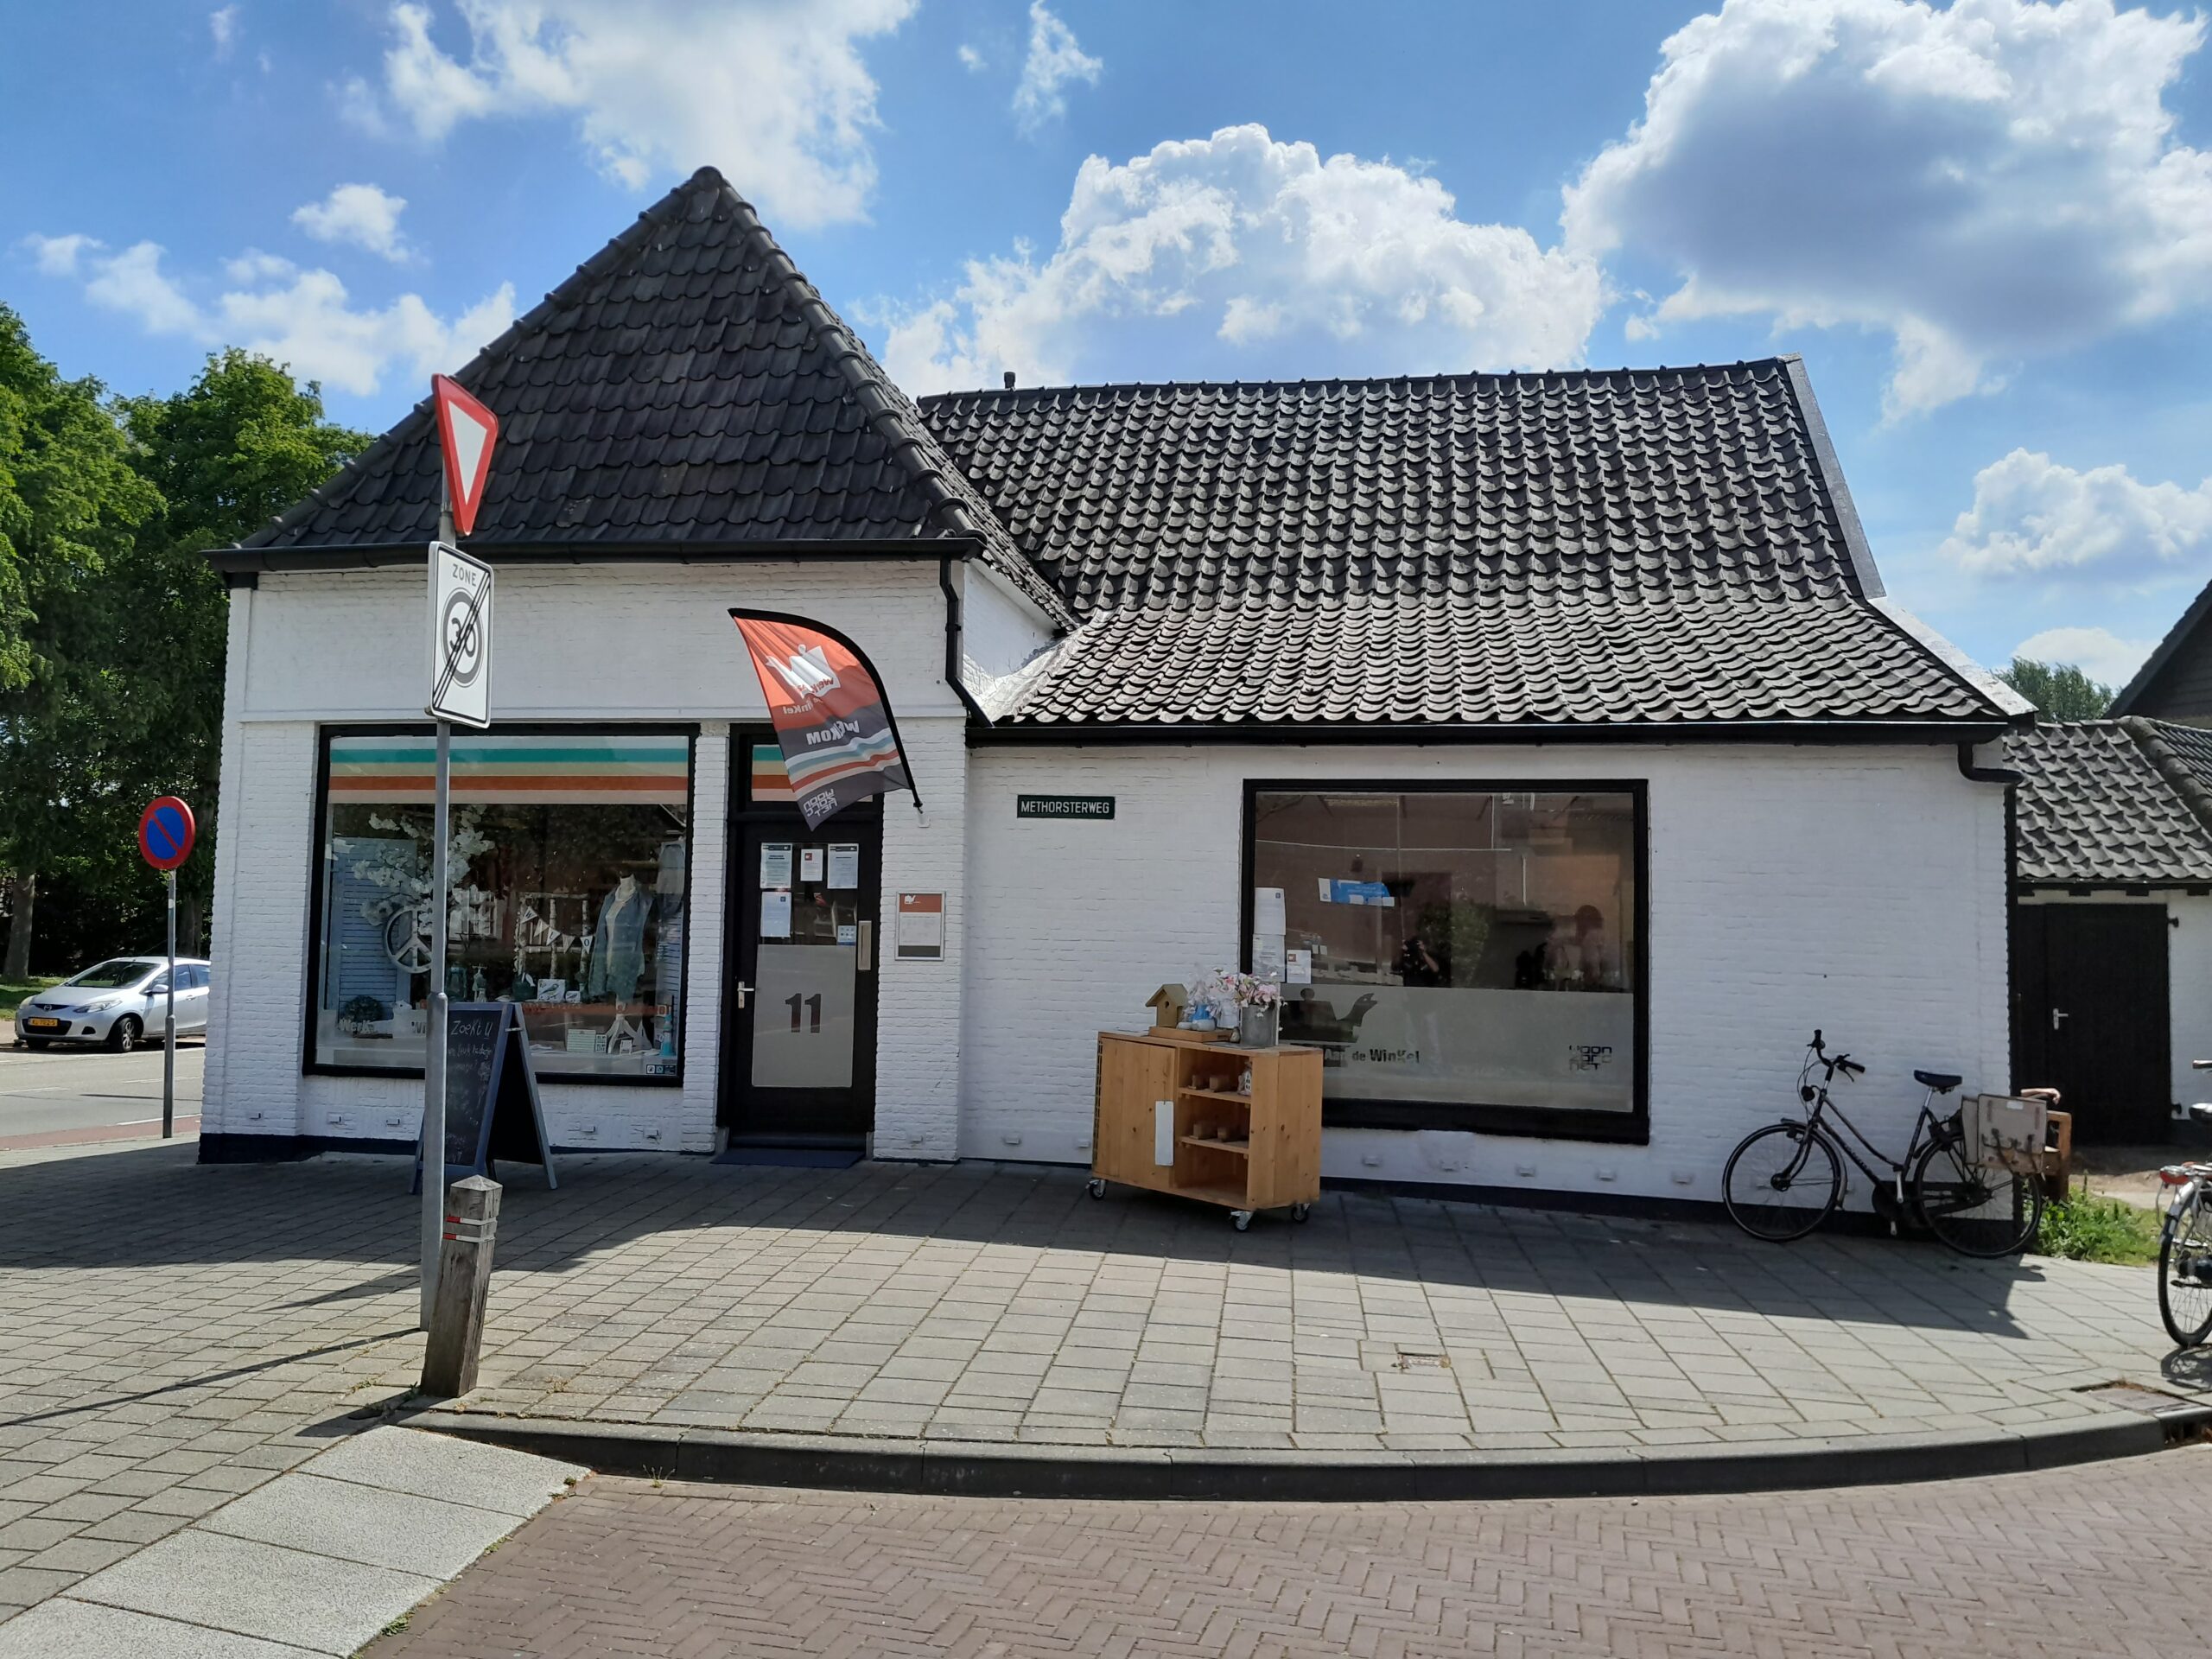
[[771, 783], [545, 770]]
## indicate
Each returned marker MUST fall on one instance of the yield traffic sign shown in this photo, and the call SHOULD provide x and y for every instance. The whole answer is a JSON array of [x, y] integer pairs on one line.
[[466, 431]]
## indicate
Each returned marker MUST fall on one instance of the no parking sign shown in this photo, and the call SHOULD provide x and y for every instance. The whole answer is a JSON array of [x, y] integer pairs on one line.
[[165, 832]]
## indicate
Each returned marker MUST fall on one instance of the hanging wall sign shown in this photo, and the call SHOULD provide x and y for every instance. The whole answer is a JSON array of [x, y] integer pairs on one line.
[[921, 926]]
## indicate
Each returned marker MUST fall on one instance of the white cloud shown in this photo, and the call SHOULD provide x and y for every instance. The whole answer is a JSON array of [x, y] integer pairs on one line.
[[1054, 60], [1983, 183], [301, 318], [972, 60], [223, 24], [773, 93], [2032, 517], [1269, 246], [133, 281], [360, 213], [57, 255], [2098, 652]]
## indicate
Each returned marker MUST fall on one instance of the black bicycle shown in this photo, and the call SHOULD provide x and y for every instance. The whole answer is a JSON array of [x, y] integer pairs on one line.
[[1786, 1179]]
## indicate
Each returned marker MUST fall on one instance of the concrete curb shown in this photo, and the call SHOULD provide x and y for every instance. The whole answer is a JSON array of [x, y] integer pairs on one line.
[[972, 1469]]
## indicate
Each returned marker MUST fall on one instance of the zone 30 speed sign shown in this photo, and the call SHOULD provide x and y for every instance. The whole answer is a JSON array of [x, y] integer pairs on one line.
[[461, 637]]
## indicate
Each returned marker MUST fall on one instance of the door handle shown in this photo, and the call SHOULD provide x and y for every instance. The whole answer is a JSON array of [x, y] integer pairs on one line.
[[744, 991], [2057, 1015], [866, 941]]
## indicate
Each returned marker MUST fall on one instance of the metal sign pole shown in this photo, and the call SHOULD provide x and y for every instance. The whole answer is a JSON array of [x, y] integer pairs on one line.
[[169, 1048], [433, 1059]]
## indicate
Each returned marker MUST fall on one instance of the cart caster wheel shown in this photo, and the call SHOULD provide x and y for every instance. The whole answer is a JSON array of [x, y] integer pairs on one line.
[[1095, 1188], [1299, 1212], [1240, 1219]]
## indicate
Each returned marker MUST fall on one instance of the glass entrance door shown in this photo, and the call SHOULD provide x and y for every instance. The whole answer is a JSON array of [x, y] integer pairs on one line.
[[799, 1066]]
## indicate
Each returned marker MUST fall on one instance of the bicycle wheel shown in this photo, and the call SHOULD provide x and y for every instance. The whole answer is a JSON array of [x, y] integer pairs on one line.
[[1977, 1212], [1781, 1182], [2186, 1277]]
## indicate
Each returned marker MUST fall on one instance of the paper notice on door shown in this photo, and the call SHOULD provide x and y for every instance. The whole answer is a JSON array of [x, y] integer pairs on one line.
[[809, 863], [844, 864], [848, 933], [1267, 909], [1267, 956], [776, 914], [776, 864], [1298, 967]]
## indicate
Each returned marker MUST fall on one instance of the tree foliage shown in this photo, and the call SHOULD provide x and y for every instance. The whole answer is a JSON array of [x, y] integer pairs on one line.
[[112, 625], [2059, 689]]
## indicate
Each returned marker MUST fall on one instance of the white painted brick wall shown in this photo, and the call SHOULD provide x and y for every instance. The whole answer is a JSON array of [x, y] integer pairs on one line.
[[1855, 889], [571, 643]]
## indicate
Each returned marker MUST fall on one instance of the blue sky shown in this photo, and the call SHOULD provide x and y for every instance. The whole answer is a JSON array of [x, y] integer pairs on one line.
[[1987, 227]]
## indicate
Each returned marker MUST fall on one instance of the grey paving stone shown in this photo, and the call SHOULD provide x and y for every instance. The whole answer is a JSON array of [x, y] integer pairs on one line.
[[259, 1589], [354, 1523], [68, 1628], [457, 1472]]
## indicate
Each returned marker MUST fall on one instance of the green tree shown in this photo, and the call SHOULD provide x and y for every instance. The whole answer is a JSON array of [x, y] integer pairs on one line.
[[70, 501], [2059, 689], [113, 626], [239, 445]]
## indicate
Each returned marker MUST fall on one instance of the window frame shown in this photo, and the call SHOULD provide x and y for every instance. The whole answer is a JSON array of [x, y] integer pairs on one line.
[[319, 790], [1631, 1127]]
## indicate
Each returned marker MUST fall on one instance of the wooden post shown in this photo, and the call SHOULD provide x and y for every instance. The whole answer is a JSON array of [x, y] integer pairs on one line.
[[472, 1226]]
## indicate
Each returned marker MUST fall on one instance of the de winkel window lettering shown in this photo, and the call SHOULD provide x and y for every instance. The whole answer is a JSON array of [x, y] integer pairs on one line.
[[1464, 957]]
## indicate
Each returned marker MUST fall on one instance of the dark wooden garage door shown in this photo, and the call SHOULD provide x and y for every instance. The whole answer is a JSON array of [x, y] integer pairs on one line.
[[2090, 1016]]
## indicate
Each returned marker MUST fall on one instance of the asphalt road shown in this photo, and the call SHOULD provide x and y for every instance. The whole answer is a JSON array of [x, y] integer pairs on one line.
[[69, 1090]]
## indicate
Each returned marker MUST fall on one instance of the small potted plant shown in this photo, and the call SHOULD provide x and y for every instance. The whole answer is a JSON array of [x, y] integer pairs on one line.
[[1258, 1002]]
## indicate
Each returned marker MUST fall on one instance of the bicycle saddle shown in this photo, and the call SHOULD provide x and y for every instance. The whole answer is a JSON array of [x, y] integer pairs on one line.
[[1941, 1081]]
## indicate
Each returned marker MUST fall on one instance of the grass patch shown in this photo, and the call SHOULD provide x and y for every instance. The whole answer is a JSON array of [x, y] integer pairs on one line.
[[13, 991], [2087, 1227]]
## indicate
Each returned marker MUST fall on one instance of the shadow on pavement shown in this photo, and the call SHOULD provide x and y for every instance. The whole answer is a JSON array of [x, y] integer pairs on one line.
[[155, 1206]]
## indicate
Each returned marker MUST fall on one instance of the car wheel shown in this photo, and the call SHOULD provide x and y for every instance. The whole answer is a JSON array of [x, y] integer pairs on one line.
[[122, 1036], [37, 1045]]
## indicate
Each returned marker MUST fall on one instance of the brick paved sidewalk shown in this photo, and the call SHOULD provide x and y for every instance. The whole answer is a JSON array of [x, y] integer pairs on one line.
[[2100, 1559], [171, 1334]]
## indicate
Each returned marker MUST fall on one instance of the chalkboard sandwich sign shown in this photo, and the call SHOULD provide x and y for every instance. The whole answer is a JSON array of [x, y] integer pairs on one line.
[[492, 1106]]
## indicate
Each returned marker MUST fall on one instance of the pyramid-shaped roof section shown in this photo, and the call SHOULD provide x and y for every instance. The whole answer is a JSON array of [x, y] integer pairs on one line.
[[687, 388]]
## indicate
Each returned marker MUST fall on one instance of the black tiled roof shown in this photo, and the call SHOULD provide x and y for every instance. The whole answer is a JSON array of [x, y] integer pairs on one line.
[[1575, 659], [2097, 809], [1583, 547], [685, 384]]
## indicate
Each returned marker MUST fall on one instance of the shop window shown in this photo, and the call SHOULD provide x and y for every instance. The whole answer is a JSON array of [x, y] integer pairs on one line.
[[569, 854], [1467, 958]]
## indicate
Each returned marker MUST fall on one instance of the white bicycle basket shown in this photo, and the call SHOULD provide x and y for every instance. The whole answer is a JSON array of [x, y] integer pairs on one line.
[[2004, 1132]]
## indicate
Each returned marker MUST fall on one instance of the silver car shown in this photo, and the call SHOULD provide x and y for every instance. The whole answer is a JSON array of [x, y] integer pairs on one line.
[[121, 1003]]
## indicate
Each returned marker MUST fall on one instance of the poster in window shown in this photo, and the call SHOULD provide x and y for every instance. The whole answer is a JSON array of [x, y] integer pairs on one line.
[[776, 914], [810, 864], [844, 864], [775, 864]]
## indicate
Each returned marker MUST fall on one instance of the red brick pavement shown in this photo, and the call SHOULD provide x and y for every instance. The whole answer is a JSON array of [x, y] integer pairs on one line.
[[2104, 1560]]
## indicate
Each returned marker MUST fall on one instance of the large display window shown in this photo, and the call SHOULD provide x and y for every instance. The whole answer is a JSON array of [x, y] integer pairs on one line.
[[569, 854], [1465, 956]]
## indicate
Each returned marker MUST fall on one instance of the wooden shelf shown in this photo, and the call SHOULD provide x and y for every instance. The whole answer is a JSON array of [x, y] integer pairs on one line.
[[1230, 1194], [1242, 1148], [1215, 1094]]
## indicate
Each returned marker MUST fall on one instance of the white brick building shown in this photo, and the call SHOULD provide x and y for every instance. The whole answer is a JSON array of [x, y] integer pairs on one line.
[[1552, 731]]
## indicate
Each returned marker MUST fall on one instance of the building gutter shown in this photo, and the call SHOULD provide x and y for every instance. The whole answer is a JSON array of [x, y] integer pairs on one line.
[[953, 654], [371, 556], [1965, 734]]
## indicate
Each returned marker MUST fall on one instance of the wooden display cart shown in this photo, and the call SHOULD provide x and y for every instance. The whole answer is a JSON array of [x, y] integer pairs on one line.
[[1170, 1118]]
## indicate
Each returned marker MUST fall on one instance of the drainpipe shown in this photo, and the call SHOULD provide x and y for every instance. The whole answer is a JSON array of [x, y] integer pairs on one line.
[[952, 652], [2012, 781]]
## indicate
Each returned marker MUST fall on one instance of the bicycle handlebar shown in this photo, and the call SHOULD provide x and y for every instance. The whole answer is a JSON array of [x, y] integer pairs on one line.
[[1832, 1065]]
